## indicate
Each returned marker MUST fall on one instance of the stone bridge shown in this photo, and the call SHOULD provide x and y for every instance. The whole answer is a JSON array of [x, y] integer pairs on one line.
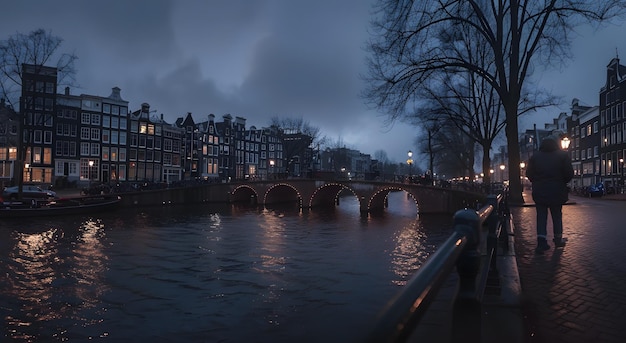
[[372, 196], [309, 193]]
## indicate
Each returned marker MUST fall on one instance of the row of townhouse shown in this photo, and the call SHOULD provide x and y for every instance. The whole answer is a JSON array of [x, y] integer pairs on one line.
[[81, 139], [65, 139], [597, 134]]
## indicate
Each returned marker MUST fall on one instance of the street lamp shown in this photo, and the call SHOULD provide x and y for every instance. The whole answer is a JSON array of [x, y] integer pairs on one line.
[[90, 171], [272, 168], [565, 143], [522, 165], [621, 164], [409, 161], [27, 168], [502, 166]]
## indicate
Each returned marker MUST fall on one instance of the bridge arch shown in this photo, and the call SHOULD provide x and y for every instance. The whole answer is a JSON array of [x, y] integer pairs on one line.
[[328, 194], [244, 194], [379, 200], [282, 193]]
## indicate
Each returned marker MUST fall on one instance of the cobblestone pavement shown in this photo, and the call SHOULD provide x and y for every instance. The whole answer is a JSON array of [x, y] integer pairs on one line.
[[576, 293]]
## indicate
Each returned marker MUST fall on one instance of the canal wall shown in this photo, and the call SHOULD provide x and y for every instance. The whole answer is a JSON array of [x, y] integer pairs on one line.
[[211, 193]]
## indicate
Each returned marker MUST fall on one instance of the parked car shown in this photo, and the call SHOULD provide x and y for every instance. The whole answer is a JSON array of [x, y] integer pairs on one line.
[[28, 192], [596, 190]]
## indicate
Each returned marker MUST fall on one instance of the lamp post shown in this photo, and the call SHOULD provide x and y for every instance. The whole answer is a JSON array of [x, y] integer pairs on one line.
[[502, 166], [27, 168], [522, 165], [409, 161], [621, 165], [272, 168], [90, 171]]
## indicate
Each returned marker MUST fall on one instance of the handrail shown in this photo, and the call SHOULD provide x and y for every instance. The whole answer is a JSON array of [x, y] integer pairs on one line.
[[398, 319]]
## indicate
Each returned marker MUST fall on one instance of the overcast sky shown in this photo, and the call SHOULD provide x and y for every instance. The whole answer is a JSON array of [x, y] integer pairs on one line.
[[258, 59]]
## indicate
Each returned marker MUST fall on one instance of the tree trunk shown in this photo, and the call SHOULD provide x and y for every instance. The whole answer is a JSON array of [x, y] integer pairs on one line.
[[486, 167], [515, 184]]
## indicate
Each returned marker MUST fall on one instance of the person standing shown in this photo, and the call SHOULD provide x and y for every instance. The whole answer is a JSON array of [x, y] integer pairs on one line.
[[549, 170]]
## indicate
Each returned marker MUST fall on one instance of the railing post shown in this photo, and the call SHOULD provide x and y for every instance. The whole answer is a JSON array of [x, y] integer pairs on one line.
[[467, 310], [492, 223], [468, 222]]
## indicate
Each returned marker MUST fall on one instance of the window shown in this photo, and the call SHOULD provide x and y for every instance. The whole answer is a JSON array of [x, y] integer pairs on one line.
[[115, 122], [122, 156], [105, 153], [122, 138], [105, 136], [95, 149], [113, 154], [47, 120], [114, 137], [106, 121], [37, 136], [95, 134], [49, 104], [84, 133], [106, 108], [595, 126], [122, 124], [47, 137], [84, 149], [589, 130], [85, 118], [167, 158], [95, 119]]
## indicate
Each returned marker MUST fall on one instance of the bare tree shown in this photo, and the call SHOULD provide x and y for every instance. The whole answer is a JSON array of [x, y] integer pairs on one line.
[[302, 141], [407, 49], [37, 48]]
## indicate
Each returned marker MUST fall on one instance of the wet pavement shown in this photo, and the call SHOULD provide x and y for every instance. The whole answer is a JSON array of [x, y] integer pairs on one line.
[[575, 293]]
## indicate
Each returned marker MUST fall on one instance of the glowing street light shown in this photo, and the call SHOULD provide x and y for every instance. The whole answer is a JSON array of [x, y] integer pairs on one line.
[[90, 171], [565, 143], [409, 161]]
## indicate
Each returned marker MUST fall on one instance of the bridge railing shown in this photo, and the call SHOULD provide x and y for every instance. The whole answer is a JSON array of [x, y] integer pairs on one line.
[[474, 230]]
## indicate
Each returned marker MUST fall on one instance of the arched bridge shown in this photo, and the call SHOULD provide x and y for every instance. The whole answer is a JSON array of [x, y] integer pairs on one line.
[[372, 195]]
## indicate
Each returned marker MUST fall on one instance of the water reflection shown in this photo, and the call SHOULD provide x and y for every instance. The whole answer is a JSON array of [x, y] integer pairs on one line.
[[196, 273], [51, 276]]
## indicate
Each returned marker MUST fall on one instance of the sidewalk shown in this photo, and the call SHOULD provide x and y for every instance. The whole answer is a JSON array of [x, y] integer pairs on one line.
[[575, 293]]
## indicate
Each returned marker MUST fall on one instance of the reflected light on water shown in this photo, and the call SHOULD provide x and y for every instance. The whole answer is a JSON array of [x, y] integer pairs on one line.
[[49, 286], [409, 252]]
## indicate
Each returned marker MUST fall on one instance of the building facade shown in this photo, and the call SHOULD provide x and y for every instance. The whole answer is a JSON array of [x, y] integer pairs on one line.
[[613, 126]]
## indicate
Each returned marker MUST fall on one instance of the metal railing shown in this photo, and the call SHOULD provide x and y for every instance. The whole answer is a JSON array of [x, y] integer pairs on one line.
[[402, 314]]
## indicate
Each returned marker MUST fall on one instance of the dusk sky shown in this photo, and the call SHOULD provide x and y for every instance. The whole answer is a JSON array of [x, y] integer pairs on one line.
[[258, 60]]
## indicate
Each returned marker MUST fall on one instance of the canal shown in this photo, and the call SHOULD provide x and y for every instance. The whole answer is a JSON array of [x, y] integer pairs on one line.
[[207, 273]]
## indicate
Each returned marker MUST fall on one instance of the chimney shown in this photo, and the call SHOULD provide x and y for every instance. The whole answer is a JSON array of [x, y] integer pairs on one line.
[[145, 107], [67, 90]]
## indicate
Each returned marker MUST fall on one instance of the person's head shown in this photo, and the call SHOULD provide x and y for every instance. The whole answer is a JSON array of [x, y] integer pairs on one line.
[[549, 143]]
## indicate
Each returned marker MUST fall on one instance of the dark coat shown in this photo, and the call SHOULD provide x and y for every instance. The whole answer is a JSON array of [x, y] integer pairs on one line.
[[550, 169]]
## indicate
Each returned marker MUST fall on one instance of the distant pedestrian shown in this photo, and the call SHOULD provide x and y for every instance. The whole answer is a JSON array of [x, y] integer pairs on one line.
[[549, 170]]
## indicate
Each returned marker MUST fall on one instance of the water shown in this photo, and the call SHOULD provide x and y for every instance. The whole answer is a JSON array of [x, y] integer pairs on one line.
[[209, 274]]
